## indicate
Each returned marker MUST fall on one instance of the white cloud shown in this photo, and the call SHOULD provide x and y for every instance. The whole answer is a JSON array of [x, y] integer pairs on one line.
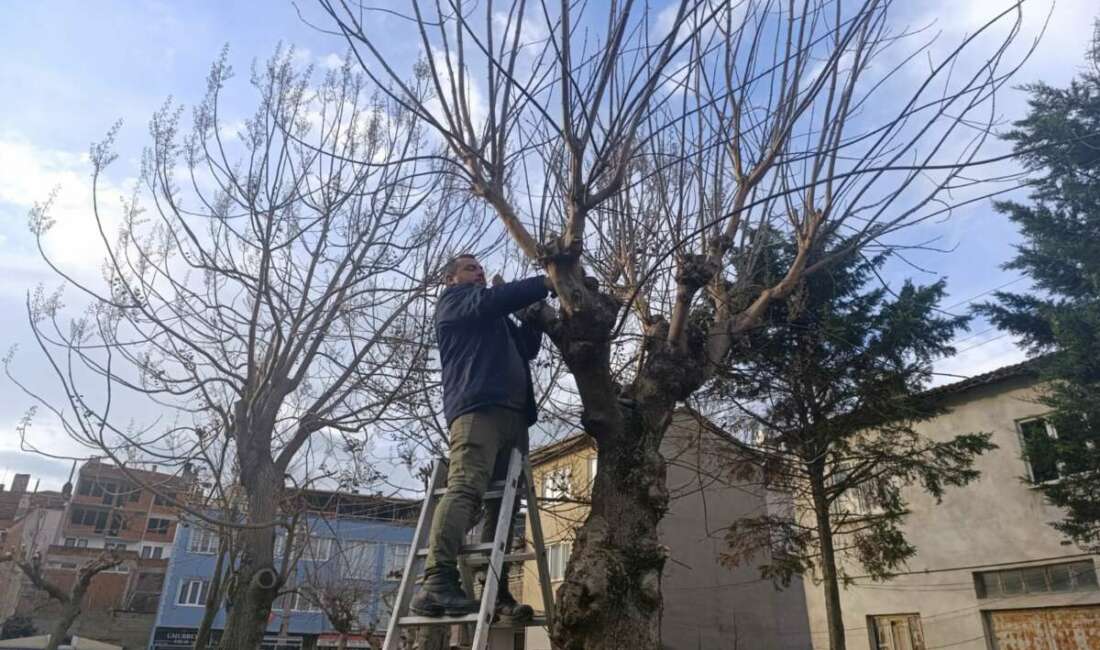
[[332, 61], [30, 174]]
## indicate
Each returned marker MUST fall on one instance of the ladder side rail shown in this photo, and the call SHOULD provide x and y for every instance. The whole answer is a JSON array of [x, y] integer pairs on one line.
[[496, 556], [423, 524], [539, 542]]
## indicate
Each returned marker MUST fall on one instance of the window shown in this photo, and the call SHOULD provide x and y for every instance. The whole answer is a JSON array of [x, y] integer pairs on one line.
[[304, 601], [114, 546], [1051, 578], [193, 592], [1041, 461], [557, 557], [897, 632], [320, 549], [360, 559], [98, 520], [61, 565], [158, 500], [203, 540], [76, 542], [397, 555], [557, 484], [158, 526], [152, 552]]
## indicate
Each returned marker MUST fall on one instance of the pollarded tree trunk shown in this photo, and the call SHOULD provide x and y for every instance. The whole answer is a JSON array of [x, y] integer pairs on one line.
[[611, 596], [69, 612], [256, 583], [834, 617]]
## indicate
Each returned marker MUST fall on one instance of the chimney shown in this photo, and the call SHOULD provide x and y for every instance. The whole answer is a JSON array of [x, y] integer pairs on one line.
[[20, 482]]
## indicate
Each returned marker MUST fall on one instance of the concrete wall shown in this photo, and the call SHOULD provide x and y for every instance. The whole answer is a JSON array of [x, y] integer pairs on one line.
[[707, 606], [998, 520]]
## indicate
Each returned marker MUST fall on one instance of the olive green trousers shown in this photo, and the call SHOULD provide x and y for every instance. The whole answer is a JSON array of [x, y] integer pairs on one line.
[[481, 445]]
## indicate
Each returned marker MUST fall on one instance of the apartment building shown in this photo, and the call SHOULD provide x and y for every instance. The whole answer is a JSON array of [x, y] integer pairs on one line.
[[990, 572], [106, 508], [353, 543]]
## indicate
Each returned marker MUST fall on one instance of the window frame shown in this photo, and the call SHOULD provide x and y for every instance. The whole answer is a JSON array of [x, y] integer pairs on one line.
[[204, 586], [557, 557], [158, 530], [206, 535], [875, 628], [557, 483], [1076, 585], [394, 568], [1022, 441]]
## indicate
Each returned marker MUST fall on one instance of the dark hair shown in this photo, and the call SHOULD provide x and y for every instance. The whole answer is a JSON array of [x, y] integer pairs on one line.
[[452, 264]]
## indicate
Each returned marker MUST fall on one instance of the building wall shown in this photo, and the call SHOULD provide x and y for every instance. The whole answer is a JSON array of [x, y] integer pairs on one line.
[[997, 522], [186, 564], [34, 529], [707, 606], [134, 505]]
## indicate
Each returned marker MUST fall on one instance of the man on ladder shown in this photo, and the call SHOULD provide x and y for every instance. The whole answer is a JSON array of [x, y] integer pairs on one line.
[[489, 402]]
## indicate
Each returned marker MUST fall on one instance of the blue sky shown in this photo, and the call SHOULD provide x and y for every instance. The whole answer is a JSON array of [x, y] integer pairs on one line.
[[71, 69]]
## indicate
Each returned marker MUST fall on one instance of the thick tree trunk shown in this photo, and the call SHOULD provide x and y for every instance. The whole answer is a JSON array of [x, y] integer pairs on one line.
[[611, 596], [834, 617], [69, 612], [213, 600], [256, 582]]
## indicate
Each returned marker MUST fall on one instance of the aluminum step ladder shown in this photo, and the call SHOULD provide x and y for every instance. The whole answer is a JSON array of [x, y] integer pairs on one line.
[[491, 555]]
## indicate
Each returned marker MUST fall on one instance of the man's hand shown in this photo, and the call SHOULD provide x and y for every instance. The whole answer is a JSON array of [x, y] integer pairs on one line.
[[497, 280]]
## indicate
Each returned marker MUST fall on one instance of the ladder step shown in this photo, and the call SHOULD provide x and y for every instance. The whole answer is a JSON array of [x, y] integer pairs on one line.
[[489, 494], [511, 557], [434, 620], [466, 549], [538, 620]]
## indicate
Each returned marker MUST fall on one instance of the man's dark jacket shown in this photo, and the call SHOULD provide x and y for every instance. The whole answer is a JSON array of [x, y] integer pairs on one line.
[[474, 331]]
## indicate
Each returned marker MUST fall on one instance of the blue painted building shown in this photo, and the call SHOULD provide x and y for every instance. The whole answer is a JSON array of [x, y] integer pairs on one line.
[[351, 545]]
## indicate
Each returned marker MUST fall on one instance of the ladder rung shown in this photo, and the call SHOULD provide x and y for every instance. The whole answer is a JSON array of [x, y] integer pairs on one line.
[[511, 557], [538, 620], [466, 549], [440, 620], [489, 494]]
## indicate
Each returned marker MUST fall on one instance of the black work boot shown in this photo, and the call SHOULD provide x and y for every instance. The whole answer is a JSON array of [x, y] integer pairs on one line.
[[441, 594], [508, 611]]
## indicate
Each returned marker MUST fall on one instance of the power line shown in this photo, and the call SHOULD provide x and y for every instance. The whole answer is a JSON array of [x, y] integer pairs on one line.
[[985, 293], [981, 343]]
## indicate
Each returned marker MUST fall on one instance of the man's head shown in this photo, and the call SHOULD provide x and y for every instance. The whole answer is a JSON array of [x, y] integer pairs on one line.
[[464, 269]]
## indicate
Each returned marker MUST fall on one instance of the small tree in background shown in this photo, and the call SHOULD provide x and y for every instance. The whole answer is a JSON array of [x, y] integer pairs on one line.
[[834, 386], [1060, 141], [71, 599]]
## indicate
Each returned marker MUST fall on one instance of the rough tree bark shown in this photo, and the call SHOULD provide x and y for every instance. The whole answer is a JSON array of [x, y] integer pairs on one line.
[[834, 616], [256, 582], [214, 594]]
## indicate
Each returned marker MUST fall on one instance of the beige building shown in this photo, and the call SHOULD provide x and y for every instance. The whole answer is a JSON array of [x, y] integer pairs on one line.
[[707, 606], [990, 572]]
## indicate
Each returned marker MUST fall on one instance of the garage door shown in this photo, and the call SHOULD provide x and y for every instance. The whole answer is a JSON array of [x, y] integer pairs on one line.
[[1055, 628]]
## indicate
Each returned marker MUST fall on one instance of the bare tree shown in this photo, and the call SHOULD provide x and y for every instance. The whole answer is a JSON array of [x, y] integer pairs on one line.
[[30, 561], [645, 159], [259, 293]]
